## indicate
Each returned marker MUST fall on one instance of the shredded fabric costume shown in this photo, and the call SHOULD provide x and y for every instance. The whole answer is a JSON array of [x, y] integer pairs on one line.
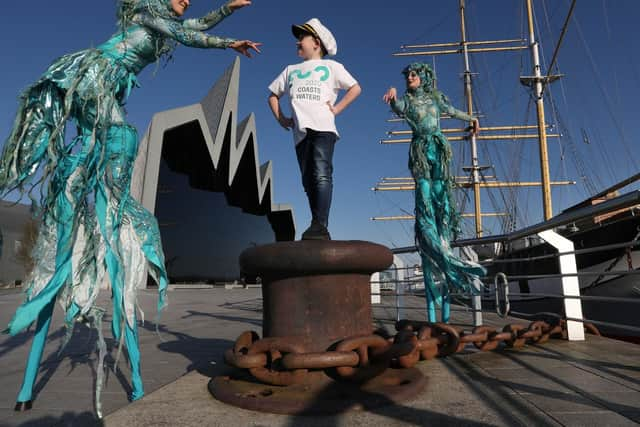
[[91, 228], [436, 216]]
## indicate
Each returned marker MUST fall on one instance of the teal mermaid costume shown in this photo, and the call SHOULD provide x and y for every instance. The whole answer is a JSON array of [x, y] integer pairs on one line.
[[437, 219], [91, 229]]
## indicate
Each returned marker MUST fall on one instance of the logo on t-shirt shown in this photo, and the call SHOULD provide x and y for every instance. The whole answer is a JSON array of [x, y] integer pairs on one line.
[[302, 76], [309, 86]]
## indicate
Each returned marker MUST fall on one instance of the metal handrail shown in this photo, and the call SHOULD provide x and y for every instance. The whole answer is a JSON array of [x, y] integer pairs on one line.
[[578, 274], [595, 322], [543, 295], [580, 297], [406, 307], [627, 200], [466, 308], [630, 244], [407, 282], [407, 268], [400, 294]]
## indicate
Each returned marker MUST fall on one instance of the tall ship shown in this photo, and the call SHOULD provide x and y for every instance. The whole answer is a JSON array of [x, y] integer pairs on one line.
[[495, 167]]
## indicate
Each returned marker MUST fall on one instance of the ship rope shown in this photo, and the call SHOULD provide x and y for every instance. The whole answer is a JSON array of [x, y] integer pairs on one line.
[[606, 97], [408, 233], [586, 176]]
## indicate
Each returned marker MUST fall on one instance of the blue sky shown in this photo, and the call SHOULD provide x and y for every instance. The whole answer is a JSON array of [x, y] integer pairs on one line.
[[597, 97]]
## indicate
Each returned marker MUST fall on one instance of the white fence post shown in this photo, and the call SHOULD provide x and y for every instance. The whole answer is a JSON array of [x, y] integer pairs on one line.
[[375, 288], [476, 300], [400, 285], [570, 284]]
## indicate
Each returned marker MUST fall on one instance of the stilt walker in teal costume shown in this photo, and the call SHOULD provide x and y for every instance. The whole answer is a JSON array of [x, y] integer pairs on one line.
[[429, 162], [91, 228]]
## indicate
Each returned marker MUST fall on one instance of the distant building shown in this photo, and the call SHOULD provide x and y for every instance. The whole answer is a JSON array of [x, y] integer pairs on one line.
[[13, 220], [198, 171]]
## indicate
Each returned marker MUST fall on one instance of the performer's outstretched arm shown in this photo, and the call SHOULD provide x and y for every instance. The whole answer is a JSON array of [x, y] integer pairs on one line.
[[213, 18], [176, 31], [210, 20], [446, 107]]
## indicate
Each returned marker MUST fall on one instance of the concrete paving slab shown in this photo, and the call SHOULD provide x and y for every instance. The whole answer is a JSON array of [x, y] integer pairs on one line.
[[558, 383], [190, 405], [632, 415], [594, 419], [557, 401]]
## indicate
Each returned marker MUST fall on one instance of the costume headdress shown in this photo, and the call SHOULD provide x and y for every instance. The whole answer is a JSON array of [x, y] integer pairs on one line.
[[127, 9], [425, 72]]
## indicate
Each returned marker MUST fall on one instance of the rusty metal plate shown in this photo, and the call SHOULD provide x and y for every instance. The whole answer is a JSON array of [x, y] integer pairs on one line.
[[313, 257], [320, 309], [319, 396]]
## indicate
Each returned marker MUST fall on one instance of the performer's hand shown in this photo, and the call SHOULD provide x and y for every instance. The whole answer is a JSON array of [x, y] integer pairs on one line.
[[333, 109], [238, 4], [475, 127], [286, 122], [244, 47], [391, 95]]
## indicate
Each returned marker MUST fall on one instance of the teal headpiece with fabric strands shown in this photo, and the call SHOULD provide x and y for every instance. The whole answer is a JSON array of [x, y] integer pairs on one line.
[[425, 72], [128, 8]]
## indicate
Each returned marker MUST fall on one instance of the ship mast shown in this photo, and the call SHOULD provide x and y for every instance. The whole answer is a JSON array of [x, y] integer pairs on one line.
[[542, 131], [537, 83], [475, 167]]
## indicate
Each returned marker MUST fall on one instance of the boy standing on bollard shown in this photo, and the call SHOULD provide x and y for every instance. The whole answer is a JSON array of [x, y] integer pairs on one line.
[[313, 87]]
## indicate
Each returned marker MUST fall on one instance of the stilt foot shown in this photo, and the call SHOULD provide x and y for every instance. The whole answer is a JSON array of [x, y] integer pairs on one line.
[[23, 406]]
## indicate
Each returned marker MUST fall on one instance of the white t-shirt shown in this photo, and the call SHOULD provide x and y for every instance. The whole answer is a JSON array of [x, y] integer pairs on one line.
[[310, 85]]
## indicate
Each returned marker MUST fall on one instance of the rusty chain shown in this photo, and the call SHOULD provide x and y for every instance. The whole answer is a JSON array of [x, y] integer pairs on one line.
[[284, 360]]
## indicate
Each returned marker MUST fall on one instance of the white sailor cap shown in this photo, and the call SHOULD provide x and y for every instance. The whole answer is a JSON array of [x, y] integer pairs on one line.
[[315, 28]]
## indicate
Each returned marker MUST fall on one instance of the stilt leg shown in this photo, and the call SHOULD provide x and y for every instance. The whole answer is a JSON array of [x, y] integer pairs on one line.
[[25, 395], [430, 296], [446, 304], [131, 338]]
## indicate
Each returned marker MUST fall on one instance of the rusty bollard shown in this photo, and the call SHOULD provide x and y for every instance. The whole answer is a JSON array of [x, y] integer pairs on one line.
[[317, 290], [317, 328]]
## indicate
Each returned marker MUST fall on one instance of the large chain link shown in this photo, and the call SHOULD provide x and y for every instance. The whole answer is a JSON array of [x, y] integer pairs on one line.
[[285, 361], [274, 372]]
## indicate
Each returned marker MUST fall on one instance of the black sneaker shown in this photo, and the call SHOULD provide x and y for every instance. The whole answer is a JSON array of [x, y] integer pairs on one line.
[[316, 231]]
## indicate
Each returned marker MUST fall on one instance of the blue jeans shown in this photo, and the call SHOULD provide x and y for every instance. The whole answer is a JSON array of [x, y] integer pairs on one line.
[[315, 157]]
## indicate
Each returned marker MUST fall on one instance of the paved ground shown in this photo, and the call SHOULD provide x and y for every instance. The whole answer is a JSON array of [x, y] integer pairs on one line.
[[559, 383], [196, 328]]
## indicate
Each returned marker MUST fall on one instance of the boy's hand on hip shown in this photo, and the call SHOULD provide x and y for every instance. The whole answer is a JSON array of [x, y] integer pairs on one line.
[[333, 108], [286, 122]]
